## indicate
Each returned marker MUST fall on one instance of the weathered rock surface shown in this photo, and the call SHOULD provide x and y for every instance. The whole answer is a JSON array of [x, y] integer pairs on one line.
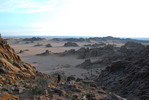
[[46, 53], [70, 44], [86, 64], [48, 45], [129, 76], [70, 39], [12, 69], [34, 39], [95, 45], [92, 52], [75, 39]]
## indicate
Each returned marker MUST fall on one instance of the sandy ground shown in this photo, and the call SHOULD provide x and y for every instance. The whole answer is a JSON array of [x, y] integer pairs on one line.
[[51, 63]]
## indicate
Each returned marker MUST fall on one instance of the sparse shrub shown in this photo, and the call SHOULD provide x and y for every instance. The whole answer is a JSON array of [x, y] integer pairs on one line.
[[36, 90], [21, 62], [86, 86], [74, 98], [10, 60], [70, 96], [42, 82]]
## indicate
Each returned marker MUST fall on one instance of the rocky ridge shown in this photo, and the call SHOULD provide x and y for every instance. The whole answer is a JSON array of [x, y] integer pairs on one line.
[[34, 39], [100, 39], [126, 70], [128, 76]]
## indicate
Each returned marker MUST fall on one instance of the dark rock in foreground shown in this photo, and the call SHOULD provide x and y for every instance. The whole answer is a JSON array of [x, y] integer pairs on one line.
[[128, 77]]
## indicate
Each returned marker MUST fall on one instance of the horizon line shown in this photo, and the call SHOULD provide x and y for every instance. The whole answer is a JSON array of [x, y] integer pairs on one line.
[[39, 35], [67, 36]]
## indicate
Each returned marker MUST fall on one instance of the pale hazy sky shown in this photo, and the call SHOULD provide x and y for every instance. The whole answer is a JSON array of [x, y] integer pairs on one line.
[[120, 18]]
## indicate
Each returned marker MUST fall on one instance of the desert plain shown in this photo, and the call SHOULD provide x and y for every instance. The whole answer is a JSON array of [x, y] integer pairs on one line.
[[53, 62]]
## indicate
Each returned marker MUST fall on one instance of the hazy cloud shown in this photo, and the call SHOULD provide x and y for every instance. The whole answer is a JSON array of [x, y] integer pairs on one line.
[[28, 6]]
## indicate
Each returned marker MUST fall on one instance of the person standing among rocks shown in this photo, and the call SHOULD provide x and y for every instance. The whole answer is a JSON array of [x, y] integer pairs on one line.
[[58, 78]]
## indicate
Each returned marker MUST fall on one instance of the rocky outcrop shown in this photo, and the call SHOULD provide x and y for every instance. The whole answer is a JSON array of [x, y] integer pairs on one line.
[[68, 52], [48, 45], [46, 53], [10, 62], [12, 70], [57, 39], [75, 39], [128, 77], [22, 51], [34, 39], [70, 39], [86, 64], [70, 44], [132, 46], [7, 52], [127, 70], [83, 53], [38, 44], [118, 40], [100, 39], [95, 52], [95, 45]]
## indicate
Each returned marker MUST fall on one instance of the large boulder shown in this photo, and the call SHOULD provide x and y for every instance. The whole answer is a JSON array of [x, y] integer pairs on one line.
[[48, 45]]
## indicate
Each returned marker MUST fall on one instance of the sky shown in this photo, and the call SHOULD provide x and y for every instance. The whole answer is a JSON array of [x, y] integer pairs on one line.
[[118, 18]]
